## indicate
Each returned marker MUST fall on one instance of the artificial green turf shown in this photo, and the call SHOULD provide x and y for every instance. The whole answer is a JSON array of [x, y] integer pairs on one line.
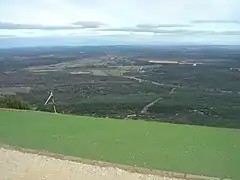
[[179, 148]]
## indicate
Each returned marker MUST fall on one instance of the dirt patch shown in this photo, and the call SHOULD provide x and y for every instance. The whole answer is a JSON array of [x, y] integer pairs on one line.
[[172, 62], [19, 164], [163, 62]]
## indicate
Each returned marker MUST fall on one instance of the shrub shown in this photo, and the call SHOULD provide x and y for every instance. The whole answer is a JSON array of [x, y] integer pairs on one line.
[[13, 102]]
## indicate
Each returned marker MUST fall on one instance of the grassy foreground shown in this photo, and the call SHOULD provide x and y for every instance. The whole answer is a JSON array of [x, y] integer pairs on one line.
[[179, 148]]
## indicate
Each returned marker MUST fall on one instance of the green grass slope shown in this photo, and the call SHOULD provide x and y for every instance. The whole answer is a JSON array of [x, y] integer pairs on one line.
[[179, 148]]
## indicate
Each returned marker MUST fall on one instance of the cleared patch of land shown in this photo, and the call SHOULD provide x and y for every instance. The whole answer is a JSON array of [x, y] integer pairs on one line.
[[14, 90], [171, 62], [80, 72], [164, 61], [179, 148]]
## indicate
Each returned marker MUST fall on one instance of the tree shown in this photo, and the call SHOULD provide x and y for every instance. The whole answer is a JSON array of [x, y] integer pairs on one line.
[[13, 102]]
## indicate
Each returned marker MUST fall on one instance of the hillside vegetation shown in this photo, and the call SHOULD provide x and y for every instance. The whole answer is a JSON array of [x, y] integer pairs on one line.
[[180, 148], [13, 102], [120, 81]]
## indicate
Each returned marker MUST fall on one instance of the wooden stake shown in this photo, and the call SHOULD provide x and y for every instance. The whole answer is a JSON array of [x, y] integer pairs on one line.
[[54, 106]]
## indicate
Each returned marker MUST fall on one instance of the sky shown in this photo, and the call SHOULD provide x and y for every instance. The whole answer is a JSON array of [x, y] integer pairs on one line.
[[89, 22]]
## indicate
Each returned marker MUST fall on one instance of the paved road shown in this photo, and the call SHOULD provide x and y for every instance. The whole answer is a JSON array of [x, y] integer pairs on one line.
[[153, 82]]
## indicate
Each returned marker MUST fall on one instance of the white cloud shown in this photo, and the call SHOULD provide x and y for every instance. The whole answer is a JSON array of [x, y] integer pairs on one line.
[[167, 16], [124, 12]]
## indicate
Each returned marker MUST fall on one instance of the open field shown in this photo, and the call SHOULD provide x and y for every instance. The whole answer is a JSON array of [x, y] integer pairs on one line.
[[180, 148], [14, 90]]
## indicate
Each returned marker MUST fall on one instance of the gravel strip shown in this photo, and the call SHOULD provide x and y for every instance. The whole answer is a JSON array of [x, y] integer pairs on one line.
[[16, 165]]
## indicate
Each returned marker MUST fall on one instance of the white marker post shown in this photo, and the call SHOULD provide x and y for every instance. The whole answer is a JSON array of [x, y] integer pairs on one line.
[[53, 102]]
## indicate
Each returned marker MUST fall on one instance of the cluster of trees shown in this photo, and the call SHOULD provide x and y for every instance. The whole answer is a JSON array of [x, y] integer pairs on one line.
[[13, 102]]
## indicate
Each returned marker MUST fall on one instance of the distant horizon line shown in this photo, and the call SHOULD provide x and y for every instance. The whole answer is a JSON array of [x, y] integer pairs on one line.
[[112, 45]]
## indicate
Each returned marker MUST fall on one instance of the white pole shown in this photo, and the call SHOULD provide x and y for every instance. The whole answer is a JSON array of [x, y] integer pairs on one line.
[[50, 96]]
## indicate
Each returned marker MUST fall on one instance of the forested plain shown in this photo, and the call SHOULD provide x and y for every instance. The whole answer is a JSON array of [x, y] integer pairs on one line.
[[119, 81]]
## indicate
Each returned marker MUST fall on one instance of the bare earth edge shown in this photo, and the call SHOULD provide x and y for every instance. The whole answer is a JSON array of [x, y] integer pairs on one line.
[[127, 168]]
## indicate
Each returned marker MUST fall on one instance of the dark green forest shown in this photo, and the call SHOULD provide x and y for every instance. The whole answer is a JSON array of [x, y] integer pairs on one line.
[[119, 81]]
